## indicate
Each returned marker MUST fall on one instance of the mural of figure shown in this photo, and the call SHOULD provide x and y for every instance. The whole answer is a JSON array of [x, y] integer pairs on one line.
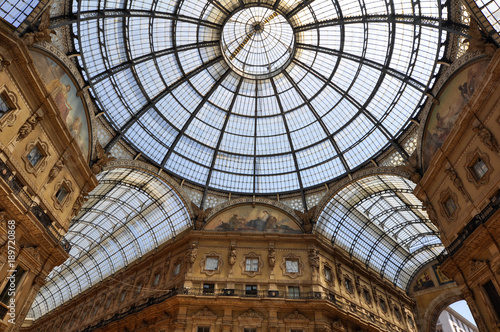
[[59, 92]]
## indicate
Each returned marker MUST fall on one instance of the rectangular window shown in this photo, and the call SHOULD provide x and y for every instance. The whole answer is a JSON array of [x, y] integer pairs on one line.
[[479, 169], [138, 288], [296, 330], [35, 156], [450, 205], [4, 107], [203, 329], [211, 263], [61, 193], [251, 290], [292, 266], [177, 269], [252, 265], [328, 274], [249, 330], [493, 296], [293, 292], [157, 279], [208, 288]]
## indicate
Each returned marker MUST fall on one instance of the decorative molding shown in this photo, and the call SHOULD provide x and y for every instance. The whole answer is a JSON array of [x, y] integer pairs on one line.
[[445, 195], [220, 262], [28, 126], [204, 313], [243, 264], [292, 257], [486, 137], [10, 98], [41, 165], [250, 319], [65, 202], [471, 160]]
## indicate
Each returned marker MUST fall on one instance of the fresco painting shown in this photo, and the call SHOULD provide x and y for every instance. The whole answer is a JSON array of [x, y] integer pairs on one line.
[[253, 219], [452, 100], [442, 279], [63, 91], [424, 281]]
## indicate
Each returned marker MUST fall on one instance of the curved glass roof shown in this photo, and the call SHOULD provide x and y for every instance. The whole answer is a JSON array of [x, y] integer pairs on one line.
[[379, 221], [259, 97], [126, 216]]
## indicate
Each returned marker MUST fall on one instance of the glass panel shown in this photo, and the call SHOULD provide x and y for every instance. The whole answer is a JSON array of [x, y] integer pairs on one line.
[[16, 11], [61, 193], [321, 87], [252, 264], [211, 263], [292, 266], [4, 107], [35, 156], [479, 168]]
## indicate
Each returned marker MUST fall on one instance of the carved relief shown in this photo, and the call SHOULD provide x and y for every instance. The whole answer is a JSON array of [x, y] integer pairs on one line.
[[77, 206], [292, 266], [250, 319], [314, 259], [457, 182], [271, 257], [232, 255], [306, 218], [56, 169], [191, 254], [44, 32], [430, 211], [475, 266], [486, 137], [254, 266], [103, 158], [42, 149], [28, 126], [412, 167], [200, 216]]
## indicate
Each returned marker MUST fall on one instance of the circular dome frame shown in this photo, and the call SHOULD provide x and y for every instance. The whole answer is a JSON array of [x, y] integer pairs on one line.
[[319, 119]]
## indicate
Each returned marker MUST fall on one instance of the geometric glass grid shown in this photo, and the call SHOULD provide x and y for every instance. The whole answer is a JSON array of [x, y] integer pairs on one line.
[[491, 11], [352, 77], [379, 221], [16, 11], [129, 214]]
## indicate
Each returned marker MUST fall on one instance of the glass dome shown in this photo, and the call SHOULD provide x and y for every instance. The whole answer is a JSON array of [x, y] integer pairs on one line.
[[259, 97]]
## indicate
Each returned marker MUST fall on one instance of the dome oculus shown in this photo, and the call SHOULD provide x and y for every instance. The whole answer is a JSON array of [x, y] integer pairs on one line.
[[257, 42]]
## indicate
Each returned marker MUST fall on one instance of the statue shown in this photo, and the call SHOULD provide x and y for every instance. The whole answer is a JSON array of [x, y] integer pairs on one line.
[[479, 40], [430, 211], [43, 33], [55, 170], [411, 166], [486, 137], [306, 218], [78, 203], [457, 182], [200, 216], [28, 126], [314, 259], [191, 254], [232, 255], [271, 257], [103, 158]]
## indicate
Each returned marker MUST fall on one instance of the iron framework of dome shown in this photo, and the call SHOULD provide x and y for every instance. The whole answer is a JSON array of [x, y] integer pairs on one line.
[[260, 97]]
